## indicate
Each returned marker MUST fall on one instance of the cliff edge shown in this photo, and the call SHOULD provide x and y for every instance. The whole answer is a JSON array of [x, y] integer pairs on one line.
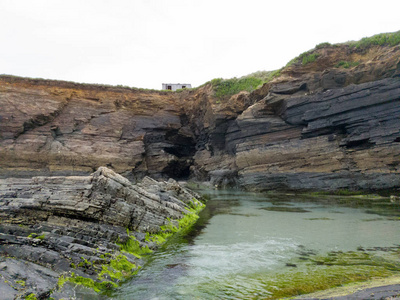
[[327, 120]]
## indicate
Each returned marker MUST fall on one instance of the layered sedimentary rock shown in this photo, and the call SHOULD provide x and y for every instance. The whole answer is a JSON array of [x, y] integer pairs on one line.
[[340, 138], [315, 126], [53, 226], [60, 128]]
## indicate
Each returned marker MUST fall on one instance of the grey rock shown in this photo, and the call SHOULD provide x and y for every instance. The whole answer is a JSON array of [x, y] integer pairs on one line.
[[344, 138], [52, 226]]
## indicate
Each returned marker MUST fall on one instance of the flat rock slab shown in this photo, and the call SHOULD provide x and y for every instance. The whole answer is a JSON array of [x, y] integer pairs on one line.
[[18, 277]]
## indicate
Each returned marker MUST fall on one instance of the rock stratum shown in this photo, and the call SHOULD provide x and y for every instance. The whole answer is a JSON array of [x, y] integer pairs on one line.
[[317, 125], [60, 233]]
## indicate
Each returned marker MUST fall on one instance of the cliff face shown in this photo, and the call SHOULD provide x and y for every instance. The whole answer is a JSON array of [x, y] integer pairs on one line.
[[341, 138], [50, 127], [315, 126]]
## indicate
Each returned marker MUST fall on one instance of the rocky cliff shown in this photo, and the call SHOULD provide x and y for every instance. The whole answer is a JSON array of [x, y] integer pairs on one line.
[[316, 126], [50, 127], [57, 232], [328, 120]]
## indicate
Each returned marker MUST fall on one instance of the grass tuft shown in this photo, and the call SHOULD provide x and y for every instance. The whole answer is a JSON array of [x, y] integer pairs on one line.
[[309, 58], [228, 87], [305, 58], [382, 39], [323, 45], [347, 64]]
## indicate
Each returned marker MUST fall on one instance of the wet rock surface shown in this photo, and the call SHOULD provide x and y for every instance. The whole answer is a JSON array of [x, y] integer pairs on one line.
[[53, 226], [382, 292], [387, 292]]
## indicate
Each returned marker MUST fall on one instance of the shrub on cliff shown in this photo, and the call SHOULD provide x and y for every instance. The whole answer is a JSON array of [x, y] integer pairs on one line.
[[347, 64], [382, 39], [229, 87], [309, 58], [323, 45], [265, 76], [304, 58]]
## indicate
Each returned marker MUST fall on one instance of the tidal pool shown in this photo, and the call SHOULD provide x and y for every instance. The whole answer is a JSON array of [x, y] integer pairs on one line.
[[260, 246]]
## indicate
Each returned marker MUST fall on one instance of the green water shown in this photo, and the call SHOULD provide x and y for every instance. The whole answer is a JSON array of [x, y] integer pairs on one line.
[[248, 245]]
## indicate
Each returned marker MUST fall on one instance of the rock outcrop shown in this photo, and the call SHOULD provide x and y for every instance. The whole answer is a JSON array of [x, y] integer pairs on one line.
[[82, 229], [61, 128], [315, 126], [336, 139]]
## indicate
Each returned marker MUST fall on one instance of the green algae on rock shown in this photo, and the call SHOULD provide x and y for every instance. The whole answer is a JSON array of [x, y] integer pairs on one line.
[[88, 230], [350, 267]]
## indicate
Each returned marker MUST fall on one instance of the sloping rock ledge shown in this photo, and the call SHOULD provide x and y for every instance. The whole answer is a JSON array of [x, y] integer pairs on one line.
[[59, 233]]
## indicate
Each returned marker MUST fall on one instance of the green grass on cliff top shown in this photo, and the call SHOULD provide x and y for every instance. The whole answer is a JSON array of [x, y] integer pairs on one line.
[[382, 39], [227, 87], [224, 88]]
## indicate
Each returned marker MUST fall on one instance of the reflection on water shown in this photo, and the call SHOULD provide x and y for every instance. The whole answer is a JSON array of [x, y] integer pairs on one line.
[[244, 242]]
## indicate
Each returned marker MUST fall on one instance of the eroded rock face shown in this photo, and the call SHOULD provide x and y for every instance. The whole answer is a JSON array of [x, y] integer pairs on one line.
[[316, 126], [52, 226], [59, 128], [342, 138]]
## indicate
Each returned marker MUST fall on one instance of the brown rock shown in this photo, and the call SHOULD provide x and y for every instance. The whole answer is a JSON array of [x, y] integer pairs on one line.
[[316, 125]]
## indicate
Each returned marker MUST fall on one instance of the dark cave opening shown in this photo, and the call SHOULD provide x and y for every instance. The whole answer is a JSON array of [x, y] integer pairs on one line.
[[178, 169], [363, 143]]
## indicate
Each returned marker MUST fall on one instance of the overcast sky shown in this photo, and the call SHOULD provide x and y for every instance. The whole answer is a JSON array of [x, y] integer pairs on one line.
[[143, 43]]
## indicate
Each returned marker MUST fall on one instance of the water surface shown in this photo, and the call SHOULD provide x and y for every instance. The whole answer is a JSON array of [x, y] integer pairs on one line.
[[244, 242]]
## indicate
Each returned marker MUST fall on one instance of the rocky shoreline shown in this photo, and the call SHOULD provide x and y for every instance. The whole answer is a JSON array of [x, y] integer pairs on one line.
[[60, 232], [66, 221]]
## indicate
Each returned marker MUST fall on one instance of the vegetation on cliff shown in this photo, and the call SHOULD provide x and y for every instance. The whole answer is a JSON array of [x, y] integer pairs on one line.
[[226, 87], [382, 39], [229, 87]]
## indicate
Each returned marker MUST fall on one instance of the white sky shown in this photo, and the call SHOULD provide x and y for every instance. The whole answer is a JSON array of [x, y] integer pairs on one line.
[[143, 43]]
